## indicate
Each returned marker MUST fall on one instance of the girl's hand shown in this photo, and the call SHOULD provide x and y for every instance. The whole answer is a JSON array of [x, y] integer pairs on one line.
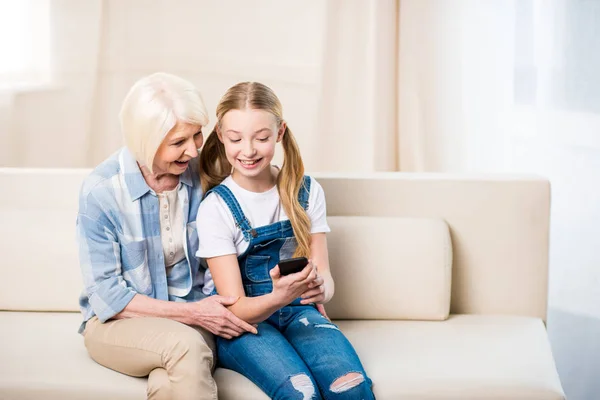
[[288, 288], [317, 291]]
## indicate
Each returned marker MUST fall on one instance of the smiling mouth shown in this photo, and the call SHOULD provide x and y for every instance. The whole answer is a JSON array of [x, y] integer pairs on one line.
[[182, 163], [249, 162]]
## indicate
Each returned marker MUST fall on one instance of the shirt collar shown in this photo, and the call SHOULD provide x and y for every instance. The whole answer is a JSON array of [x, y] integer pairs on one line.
[[186, 177], [134, 180]]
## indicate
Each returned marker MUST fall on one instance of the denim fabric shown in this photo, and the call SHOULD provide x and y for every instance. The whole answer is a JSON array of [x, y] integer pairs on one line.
[[297, 353]]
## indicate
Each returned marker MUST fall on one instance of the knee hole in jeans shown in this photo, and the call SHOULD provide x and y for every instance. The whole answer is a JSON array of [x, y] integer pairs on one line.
[[347, 382], [304, 385]]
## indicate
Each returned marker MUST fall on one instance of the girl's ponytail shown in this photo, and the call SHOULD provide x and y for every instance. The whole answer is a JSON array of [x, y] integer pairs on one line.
[[214, 167], [289, 183]]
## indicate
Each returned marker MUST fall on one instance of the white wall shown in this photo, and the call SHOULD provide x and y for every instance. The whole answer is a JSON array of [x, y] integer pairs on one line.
[[214, 45], [101, 47]]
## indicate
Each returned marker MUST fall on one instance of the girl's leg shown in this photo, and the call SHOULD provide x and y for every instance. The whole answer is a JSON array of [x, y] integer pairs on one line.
[[328, 354], [268, 360]]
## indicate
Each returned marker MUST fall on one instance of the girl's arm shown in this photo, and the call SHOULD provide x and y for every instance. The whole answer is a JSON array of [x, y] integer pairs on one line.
[[228, 281], [322, 288]]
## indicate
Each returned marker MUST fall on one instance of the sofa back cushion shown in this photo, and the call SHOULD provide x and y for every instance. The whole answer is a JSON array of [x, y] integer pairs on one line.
[[384, 268], [39, 267], [390, 268]]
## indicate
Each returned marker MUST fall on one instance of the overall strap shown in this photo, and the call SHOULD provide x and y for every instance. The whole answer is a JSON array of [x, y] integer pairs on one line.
[[304, 192], [236, 210]]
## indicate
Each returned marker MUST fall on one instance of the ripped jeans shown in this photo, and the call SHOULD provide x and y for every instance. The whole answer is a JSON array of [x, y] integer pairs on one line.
[[298, 354]]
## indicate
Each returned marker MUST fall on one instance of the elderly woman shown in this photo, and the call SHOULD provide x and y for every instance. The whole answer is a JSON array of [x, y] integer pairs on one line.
[[144, 313]]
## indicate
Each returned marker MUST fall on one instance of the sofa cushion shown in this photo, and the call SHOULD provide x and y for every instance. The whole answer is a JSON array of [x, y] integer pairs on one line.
[[48, 360], [465, 357], [360, 251], [390, 268], [40, 268]]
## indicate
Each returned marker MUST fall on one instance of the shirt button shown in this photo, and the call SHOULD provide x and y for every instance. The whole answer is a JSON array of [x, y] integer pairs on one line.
[[172, 254], [166, 217], [167, 228], [165, 206], [170, 239]]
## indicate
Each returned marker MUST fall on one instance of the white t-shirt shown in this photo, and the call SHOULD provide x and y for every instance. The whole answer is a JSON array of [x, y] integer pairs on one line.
[[217, 233]]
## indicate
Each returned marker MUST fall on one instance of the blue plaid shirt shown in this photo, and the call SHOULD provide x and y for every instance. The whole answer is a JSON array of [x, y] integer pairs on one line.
[[120, 248]]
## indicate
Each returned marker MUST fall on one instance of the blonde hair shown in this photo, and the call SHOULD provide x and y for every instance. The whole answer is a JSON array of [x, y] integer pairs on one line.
[[152, 107], [214, 167]]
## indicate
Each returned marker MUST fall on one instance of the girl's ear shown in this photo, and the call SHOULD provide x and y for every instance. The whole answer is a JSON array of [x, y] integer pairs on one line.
[[281, 131]]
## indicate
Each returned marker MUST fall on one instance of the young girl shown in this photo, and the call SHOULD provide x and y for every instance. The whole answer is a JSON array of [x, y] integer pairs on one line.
[[254, 215]]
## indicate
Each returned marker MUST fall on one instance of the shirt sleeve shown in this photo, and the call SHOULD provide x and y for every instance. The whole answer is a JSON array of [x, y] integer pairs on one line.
[[100, 261], [317, 208], [216, 228]]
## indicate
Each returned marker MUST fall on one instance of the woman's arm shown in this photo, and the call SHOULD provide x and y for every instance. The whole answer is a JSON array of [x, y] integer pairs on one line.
[[144, 306], [209, 313], [228, 281], [322, 288], [104, 284], [100, 262]]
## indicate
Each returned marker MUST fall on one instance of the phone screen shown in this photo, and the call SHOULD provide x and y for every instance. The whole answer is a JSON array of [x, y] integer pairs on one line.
[[292, 265]]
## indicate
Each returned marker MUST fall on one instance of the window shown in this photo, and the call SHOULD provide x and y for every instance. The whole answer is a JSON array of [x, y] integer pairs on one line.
[[24, 41]]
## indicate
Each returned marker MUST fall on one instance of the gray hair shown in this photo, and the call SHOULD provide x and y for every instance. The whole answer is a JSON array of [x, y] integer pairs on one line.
[[152, 107]]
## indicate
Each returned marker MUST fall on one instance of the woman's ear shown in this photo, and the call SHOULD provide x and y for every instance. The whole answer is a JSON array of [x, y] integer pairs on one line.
[[281, 131]]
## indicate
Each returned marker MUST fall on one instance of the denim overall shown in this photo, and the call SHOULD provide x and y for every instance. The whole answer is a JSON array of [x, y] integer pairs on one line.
[[297, 353]]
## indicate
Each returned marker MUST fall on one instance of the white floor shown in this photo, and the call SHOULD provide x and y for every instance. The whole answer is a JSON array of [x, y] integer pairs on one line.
[[576, 349]]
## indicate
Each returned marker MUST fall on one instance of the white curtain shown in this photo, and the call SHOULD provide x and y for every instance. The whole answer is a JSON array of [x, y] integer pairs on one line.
[[455, 83], [491, 86], [480, 80], [357, 106], [405, 83]]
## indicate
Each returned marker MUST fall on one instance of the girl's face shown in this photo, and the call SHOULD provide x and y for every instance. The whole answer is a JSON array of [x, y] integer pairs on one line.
[[250, 137], [177, 149]]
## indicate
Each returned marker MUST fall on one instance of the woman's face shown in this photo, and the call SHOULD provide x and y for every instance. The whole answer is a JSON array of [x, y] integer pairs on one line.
[[177, 148], [249, 137]]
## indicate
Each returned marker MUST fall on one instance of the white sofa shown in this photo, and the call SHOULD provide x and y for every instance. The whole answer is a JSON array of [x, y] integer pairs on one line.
[[441, 285]]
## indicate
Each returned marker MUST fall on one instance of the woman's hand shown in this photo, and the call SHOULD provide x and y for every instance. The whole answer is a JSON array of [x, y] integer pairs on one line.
[[211, 314], [321, 310], [317, 291], [289, 287]]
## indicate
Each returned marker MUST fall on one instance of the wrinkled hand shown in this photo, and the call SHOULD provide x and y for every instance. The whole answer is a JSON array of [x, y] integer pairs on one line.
[[211, 314], [289, 287], [317, 291]]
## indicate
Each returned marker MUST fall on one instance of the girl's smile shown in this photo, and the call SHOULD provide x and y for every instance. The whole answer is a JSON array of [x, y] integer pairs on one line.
[[249, 137]]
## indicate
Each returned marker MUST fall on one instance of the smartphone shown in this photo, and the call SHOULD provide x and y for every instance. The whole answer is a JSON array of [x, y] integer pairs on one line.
[[292, 265]]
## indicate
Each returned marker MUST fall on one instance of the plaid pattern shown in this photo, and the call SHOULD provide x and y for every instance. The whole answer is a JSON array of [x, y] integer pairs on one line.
[[120, 249]]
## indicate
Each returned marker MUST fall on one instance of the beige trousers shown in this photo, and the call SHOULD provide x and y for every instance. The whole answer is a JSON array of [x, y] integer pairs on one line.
[[178, 359]]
